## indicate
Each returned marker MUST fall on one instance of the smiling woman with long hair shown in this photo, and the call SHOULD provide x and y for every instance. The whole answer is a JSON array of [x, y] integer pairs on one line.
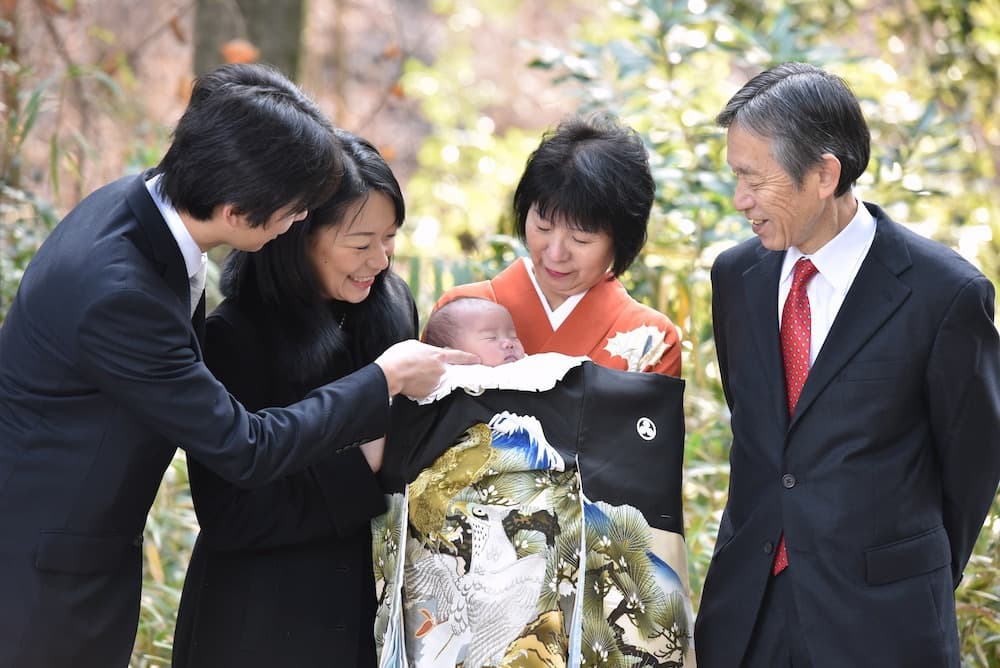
[[282, 575]]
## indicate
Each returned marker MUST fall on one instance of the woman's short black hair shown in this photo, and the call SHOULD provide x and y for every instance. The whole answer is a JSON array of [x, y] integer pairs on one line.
[[249, 137], [593, 173]]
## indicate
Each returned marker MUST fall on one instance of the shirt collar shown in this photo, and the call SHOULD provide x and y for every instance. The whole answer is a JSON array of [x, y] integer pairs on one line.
[[185, 242], [837, 259]]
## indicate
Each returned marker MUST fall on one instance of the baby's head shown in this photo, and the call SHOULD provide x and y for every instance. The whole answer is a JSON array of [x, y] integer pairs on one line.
[[477, 326]]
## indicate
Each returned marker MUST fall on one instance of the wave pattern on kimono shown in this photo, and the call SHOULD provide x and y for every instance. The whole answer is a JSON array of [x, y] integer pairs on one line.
[[536, 528]]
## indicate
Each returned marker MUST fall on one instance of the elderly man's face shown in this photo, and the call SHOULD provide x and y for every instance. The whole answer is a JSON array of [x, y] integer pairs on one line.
[[781, 213]]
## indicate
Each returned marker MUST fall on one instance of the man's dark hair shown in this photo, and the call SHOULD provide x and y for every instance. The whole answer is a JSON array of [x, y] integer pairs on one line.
[[593, 173], [804, 112], [249, 137]]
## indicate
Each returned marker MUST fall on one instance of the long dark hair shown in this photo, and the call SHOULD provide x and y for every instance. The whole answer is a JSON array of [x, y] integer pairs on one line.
[[309, 331]]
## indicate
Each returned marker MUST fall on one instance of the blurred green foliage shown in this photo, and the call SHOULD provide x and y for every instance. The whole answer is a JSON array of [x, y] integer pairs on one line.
[[927, 75]]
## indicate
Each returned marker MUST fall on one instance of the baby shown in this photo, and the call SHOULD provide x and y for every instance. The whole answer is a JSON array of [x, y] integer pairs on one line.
[[476, 326]]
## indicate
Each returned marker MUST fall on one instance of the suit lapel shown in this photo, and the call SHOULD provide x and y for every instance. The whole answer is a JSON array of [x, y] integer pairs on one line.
[[873, 297], [761, 285], [198, 321], [162, 245]]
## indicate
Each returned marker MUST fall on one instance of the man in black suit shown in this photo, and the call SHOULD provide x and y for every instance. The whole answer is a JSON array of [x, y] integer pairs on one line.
[[861, 365], [101, 375]]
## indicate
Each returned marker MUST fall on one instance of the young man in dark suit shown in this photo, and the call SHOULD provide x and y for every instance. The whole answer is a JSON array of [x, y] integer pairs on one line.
[[861, 365], [101, 373]]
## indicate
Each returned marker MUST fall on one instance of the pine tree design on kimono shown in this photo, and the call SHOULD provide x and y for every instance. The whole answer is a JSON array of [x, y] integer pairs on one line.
[[641, 347], [636, 610]]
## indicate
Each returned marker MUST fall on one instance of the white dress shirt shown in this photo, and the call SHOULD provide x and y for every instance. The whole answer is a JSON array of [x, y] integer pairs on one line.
[[838, 262]]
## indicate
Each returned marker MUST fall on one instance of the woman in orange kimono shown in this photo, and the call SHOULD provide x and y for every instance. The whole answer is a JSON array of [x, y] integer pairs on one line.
[[581, 207], [516, 537]]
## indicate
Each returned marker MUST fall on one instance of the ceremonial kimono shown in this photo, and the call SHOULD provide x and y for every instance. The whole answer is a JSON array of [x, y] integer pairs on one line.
[[608, 326], [535, 519]]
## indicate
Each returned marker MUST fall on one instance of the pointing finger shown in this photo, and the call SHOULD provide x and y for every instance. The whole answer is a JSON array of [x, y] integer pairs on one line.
[[451, 356]]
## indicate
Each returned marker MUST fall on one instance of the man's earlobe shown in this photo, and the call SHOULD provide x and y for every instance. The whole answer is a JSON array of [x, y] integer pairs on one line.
[[829, 175], [233, 215]]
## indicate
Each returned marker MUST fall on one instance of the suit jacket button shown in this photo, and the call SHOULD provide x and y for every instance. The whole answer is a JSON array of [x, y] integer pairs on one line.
[[768, 547], [788, 481]]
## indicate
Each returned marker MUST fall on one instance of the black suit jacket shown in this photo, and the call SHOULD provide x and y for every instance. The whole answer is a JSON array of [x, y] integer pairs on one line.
[[101, 378], [882, 479], [281, 574]]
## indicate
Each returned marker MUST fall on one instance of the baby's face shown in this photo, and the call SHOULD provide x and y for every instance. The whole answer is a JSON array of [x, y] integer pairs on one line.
[[491, 335]]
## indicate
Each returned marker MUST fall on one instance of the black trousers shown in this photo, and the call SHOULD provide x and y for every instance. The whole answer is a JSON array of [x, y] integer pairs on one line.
[[777, 640]]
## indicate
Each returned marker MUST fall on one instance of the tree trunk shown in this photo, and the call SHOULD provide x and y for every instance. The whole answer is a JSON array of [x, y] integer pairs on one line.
[[274, 28]]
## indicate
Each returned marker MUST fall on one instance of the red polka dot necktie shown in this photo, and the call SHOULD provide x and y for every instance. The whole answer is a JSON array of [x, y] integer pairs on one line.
[[796, 333]]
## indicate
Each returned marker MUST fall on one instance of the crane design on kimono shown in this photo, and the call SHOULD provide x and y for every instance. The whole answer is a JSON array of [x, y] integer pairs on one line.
[[479, 608]]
